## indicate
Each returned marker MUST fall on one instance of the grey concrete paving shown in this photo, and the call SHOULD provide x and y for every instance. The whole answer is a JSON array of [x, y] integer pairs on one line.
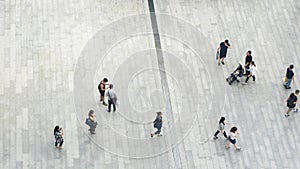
[[53, 54]]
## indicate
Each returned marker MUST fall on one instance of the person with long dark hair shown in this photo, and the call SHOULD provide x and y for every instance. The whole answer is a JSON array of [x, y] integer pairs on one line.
[[58, 135], [157, 124], [221, 128]]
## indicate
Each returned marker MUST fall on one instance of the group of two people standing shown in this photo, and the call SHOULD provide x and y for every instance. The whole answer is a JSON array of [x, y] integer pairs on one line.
[[250, 67], [110, 93]]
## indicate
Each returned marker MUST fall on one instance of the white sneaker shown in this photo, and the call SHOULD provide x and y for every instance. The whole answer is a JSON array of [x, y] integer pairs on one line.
[[296, 111], [227, 147], [244, 83], [238, 148]]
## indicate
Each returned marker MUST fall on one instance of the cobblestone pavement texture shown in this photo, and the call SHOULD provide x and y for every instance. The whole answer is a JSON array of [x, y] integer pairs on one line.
[[54, 53]]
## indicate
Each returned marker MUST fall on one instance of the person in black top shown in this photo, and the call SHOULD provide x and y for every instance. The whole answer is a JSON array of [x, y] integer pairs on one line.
[[290, 76], [248, 60], [101, 88], [157, 124], [291, 103], [222, 50]]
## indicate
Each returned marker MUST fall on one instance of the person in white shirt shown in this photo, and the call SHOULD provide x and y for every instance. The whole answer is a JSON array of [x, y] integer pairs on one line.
[[232, 138], [252, 74]]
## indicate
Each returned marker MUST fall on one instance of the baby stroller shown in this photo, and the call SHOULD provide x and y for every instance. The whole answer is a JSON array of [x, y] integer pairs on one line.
[[238, 72]]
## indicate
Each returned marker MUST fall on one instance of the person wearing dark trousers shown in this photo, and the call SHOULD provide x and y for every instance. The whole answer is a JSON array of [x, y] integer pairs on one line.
[[232, 138], [248, 60], [157, 124], [112, 98], [289, 76], [91, 121], [222, 51], [291, 103], [221, 128], [101, 88], [252, 74], [58, 135]]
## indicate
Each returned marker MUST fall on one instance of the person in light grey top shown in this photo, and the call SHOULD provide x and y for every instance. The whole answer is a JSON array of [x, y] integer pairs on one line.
[[112, 98], [221, 128]]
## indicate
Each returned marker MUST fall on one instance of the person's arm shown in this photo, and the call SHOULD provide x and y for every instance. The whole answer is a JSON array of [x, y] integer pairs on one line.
[[293, 79], [219, 48], [102, 86]]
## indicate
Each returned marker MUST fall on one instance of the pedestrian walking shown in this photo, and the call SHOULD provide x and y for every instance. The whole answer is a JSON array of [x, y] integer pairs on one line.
[[58, 135], [91, 121], [232, 138], [112, 98], [101, 88], [221, 128], [222, 51], [291, 103], [252, 74], [248, 60], [289, 76], [157, 124]]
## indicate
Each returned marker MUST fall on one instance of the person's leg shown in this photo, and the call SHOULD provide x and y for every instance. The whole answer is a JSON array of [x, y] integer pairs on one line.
[[216, 134], [227, 144], [109, 105], [288, 111], [224, 133], [56, 142], [247, 79], [223, 60], [114, 106], [253, 77], [61, 142], [236, 147], [288, 84]]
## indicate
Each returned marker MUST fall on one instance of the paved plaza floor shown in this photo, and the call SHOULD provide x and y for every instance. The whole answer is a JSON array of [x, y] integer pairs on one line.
[[160, 56]]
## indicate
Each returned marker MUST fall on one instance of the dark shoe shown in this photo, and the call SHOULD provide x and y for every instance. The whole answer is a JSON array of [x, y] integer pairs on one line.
[[215, 137], [219, 64], [151, 135], [286, 115], [223, 63], [107, 111], [288, 87], [296, 111], [105, 104]]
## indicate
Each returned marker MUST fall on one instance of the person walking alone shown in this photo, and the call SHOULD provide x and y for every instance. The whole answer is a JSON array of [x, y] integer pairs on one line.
[[222, 51], [91, 121], [291, 103], [157, 124], [112, 98], [58, 135], [289, 76], [221, 128], [232, 138], [101, 88]]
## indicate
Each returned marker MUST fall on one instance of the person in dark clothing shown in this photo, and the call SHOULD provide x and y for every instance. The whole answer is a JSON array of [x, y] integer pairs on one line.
[[289, 76], [157, 124], [91, 121], [221, 128], [248, 60], [291, 103], [58, 135], [101, 88], [222, 51]]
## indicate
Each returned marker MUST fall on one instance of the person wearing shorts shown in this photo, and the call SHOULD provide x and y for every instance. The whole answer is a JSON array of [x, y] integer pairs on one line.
[[291, 103], [222, 50], [232, 138], [101, 88]]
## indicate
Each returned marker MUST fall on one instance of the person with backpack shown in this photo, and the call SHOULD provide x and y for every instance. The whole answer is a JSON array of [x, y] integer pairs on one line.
[[222, 51], [91, 121], [112, 98], [289, 76], [291, 103], [221, 128], [58, 135], [101, 88], [157, 124], [232, 138]]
